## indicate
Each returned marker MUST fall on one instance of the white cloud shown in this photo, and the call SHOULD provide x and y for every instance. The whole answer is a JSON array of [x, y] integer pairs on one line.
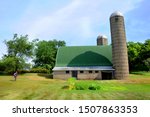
[[78, 18]]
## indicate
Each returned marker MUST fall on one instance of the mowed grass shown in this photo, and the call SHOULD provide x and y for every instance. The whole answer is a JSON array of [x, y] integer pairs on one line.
[[35, 87]]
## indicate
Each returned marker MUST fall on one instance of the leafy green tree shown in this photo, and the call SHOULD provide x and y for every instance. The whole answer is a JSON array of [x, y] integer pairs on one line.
[[147, 63], [45, 53], [2, 66], [134, 50], [9, 64], [145, 52], [19, 49], [138, 55]]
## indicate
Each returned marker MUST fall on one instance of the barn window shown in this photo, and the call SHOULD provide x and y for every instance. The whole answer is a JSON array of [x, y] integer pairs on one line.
[[90, 72], [81, 72], [96, 71], [67, 72]]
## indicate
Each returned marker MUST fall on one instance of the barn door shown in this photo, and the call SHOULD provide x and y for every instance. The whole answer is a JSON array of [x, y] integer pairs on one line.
[[75, 74], [106, 75]]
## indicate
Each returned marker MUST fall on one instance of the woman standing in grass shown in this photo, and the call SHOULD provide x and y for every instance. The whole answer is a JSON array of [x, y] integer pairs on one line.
[[15, 75]]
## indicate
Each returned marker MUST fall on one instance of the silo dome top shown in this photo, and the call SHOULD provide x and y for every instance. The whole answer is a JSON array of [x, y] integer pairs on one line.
[[101, 36], [117, 13]]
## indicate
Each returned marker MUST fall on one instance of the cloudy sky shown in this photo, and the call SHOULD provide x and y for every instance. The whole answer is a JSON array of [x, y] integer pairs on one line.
[[77, 22]]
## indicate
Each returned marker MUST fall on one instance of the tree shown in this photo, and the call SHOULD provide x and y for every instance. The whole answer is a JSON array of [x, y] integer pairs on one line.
[[138, 55], [145, 52], [2, 66], [45, 53], [19, 48], [134, 50], [147, 63], [9, 64]]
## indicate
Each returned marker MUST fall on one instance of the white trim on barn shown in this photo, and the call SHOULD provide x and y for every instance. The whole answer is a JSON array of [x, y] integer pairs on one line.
[[84, 68]]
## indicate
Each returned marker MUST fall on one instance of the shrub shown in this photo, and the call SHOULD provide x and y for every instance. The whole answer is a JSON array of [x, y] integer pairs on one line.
[[87, 86], [71, 82], [75, 85], [80, 87], [94, 87], [39, 70]]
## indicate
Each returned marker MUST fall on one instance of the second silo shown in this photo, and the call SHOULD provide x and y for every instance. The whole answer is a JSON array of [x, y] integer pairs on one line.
[[119, 47], [102, 40]]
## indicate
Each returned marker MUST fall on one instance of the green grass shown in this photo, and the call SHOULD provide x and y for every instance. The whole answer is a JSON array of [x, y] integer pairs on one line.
[[35, 87], [140, 75]]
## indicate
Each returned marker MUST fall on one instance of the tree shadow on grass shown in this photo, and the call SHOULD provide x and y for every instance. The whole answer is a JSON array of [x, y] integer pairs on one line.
[[47, 76], [65, 87], [12, 80], [138, 73]]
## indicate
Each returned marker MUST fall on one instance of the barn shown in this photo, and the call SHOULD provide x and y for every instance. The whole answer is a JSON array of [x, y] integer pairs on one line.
[[84, 62], [101, 62]]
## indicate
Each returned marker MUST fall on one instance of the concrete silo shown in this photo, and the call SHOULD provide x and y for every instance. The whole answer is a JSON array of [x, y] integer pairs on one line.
[[119, 47], [102, 40]]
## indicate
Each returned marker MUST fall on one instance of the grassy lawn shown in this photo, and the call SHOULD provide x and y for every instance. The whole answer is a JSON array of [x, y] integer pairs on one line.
[[35, 87]]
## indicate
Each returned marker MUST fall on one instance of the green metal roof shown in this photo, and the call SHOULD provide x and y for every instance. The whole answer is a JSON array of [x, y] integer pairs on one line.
[[77, 56]]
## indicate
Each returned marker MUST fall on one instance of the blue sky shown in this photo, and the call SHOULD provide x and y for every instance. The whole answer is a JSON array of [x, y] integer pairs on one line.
[[77, 22]]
